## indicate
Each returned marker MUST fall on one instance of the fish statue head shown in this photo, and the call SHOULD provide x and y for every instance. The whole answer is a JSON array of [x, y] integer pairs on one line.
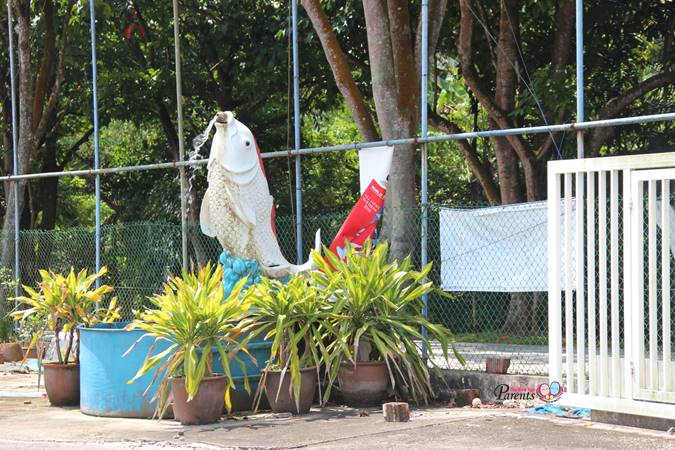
[[234, 148]]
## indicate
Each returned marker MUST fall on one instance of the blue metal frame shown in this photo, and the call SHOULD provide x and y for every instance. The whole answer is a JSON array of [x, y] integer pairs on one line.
[[579, 25], [296, 132], [97, 186]]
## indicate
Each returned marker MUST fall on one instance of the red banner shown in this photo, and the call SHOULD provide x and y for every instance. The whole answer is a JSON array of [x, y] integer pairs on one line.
[[361, 223]]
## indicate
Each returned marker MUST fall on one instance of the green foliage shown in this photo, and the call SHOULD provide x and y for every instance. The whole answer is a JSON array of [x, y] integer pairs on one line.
[[7, 332], [377, 305], [294, 316], [192, 315], [66, 302]]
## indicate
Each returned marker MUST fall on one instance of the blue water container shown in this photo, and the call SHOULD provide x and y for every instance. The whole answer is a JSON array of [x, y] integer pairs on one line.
[[104, 372]]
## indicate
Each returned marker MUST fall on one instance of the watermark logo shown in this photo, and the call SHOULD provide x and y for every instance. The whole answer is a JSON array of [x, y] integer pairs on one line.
[[546, 392], [550, 392]]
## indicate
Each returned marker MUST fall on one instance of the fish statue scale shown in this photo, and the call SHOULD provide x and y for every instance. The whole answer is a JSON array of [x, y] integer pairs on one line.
[[237, 207]]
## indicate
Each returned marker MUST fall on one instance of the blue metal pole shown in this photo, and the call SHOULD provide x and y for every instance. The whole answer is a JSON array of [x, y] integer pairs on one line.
[[181, 137], [580, 73], [424, 188], [15, 159], [296, 124], [97, 185]]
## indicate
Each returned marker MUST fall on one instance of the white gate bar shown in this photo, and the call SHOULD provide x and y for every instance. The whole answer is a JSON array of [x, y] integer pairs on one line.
[[665, 280], [554, 310], [633, 162], [651, 274], [581, 327], [614, 281], [637, 266], [627, 314], [602, 266], [569, 324], [590, 273]]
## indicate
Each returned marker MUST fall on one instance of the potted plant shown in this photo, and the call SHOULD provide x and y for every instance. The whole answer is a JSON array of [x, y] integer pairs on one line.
[[10, 350], [66, 302], [377, 313], [29, 328], [192, 316], [293, 316]]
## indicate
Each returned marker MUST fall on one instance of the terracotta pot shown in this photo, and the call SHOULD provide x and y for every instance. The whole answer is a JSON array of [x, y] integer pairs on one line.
[[283, 400], [365, 384], [30, 354], [497, 365], [205, 407], [11, 351], [62, 383]]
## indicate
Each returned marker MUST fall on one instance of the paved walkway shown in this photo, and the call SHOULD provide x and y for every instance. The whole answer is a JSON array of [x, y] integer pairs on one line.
[[27, 421], [37, 425]]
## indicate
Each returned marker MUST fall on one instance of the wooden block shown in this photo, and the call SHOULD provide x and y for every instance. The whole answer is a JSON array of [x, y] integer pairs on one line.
[[497, 365], [396, 412], [464, 397]]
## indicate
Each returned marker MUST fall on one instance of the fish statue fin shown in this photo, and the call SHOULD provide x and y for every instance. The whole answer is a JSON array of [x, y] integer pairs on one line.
[[242, 210], [205, 219]]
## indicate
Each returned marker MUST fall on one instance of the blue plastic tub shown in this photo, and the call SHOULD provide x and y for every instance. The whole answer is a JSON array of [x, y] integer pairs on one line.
[[104, 372]]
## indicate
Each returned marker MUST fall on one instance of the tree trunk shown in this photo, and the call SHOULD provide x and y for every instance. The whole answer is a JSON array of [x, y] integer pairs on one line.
[[26, 142], [34, 113], [341, 70], [47, 188], [389, 88]]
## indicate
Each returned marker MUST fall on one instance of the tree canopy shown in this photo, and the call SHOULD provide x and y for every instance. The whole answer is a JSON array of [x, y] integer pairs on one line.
[[493, 64]]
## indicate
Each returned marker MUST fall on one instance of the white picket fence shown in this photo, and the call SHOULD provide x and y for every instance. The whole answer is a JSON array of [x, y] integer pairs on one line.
[[611, 283]]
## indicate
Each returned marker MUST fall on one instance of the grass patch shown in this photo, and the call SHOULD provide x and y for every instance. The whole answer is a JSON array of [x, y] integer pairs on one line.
[[493, 337]]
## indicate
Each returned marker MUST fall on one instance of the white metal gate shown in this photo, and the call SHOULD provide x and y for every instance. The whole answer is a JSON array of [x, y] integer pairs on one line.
[[611, 284], [651, 226]]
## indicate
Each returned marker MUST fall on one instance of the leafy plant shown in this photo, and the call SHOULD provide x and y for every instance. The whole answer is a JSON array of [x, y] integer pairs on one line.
[[378, 304], [66, 302], [295, 317], [193, 316], [7, 332], [31, 326]]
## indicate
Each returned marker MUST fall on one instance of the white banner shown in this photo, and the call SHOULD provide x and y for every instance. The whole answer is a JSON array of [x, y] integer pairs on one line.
[[497, 249], [374, 164]]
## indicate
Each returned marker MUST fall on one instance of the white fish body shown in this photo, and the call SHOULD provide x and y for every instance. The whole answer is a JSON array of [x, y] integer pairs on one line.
[[237, 206]]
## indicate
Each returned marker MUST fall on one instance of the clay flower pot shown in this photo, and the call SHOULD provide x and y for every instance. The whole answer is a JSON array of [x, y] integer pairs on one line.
[[205, 407], [497, 365], [62, 383], [31, 353], [365, 384], [285, 400], [11, 351]]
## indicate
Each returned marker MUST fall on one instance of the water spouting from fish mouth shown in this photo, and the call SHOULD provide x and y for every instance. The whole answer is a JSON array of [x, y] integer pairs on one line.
[[197, 144]]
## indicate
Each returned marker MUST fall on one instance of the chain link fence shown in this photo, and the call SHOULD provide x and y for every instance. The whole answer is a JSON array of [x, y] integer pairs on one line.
[[140, 256]]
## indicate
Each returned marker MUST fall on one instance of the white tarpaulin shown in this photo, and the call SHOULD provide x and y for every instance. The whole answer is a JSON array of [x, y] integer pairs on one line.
[[374, 164], [497, 249]]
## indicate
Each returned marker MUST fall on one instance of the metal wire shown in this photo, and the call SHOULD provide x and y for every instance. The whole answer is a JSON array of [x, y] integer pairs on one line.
[[665, 117]]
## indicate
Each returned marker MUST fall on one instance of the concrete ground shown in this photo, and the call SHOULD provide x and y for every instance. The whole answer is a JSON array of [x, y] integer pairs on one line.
[[27, 421]]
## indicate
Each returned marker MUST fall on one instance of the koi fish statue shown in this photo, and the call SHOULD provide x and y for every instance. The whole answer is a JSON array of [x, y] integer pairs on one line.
[[237, 207]]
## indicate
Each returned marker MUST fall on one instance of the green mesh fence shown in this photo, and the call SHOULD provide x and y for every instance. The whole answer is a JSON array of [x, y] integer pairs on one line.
[[141, 255]]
